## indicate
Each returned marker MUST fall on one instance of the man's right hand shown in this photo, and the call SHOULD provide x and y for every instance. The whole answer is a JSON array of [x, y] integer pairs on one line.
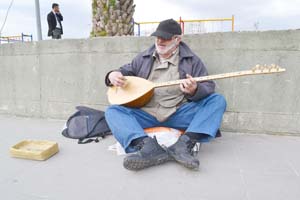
[[117, 79]]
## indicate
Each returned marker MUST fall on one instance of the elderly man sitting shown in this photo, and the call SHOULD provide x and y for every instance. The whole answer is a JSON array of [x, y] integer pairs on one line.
[[192, 107]]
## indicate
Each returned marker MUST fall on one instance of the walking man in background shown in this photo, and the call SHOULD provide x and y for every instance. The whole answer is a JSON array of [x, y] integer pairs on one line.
[[54, 19]]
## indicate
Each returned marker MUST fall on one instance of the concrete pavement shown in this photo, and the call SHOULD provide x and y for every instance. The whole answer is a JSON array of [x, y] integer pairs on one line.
[[235, 167]]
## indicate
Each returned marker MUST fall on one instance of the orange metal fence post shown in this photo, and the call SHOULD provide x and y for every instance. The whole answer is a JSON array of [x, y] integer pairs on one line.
[[181, 22], [232, 23]]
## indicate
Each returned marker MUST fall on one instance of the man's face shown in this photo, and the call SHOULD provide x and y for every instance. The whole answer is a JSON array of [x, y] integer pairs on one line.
[[166, 46], [56, 8]]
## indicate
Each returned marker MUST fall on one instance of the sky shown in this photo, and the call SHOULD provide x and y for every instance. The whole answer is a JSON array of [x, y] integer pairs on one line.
[[250, 15]]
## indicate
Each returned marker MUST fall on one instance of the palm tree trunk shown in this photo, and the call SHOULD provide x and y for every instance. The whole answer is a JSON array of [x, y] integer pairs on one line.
[[112, 17]]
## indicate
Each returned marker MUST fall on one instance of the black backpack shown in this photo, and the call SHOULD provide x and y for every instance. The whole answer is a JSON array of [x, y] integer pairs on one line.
[[85, 124]]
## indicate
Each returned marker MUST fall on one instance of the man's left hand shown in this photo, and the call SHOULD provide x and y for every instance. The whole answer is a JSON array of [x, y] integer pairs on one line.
[[189, 86]]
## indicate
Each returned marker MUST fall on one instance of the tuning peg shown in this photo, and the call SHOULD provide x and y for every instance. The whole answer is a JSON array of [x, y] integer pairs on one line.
[[274, 67], [255, 68], [270, 68], [266, 66], [258, 67]]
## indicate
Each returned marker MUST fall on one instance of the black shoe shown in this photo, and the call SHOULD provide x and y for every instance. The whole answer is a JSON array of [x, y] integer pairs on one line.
[[150, 154], [182, 152]]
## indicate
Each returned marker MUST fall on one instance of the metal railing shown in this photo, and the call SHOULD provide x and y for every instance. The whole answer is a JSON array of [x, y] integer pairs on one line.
[[18, 38], [189, 26]]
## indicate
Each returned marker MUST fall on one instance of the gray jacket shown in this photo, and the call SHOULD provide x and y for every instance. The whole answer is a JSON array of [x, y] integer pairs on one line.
[[189, 63]]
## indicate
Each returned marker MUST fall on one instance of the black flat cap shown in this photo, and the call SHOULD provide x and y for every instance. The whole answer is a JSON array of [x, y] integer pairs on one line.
[[167, 29]]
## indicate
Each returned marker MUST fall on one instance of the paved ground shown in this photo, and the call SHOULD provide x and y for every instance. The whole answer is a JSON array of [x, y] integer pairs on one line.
[[234, 167]]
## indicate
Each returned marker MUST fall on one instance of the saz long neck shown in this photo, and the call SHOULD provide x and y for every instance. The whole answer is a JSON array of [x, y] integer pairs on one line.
[[214, 77]]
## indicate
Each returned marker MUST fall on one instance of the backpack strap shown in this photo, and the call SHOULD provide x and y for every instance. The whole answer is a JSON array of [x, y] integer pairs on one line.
[[89, 140], [86, 141]]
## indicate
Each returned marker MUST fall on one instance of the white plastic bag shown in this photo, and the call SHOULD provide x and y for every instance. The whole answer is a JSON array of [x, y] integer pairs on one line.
[[165, 137]]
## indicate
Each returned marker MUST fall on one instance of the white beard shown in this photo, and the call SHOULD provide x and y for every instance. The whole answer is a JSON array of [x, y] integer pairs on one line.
[[166, 49]]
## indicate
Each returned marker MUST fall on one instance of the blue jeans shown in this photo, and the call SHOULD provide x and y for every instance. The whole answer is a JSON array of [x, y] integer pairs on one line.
[[204, 116]]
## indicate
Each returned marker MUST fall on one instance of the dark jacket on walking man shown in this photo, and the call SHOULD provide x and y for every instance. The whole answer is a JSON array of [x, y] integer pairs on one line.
[[54, 19]]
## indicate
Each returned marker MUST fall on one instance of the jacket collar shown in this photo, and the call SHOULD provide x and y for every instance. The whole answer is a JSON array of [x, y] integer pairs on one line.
[[184, 51]]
